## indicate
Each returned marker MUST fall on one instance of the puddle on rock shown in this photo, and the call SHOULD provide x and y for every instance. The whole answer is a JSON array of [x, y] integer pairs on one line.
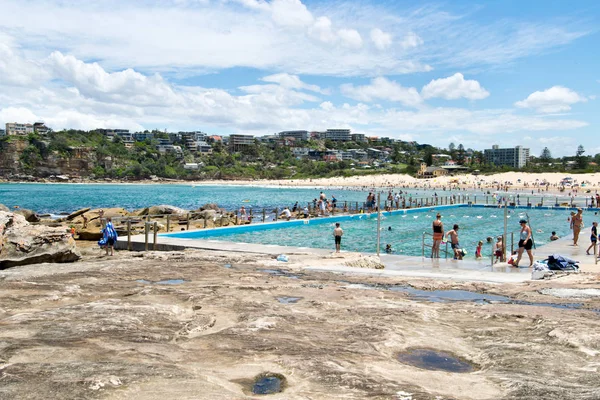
[[279, 272], [434, 361], [268, 384], [227, 265], [444, 296], [163, 282], [441, 296], [288, 300]]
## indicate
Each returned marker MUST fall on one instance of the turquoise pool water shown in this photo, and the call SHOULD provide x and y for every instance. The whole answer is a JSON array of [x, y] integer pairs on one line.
[[405, 236]]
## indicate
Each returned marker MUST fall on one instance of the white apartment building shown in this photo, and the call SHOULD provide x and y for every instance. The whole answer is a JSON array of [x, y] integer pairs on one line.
[[236, 142], [16, 129], [338, 135], [515, 157], [296, 135]]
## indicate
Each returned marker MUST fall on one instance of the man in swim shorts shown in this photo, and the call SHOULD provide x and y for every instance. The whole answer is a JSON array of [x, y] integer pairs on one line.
[[337, 235], [453, 235]]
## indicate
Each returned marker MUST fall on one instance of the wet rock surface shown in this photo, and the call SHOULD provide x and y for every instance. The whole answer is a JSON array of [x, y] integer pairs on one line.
[[91, 330]]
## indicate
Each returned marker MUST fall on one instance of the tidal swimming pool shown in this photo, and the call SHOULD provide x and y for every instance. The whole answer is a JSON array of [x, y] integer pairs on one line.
[[405, 235]]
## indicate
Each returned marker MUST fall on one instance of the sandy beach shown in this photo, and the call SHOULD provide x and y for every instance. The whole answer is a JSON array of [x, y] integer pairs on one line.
[[512, 180]]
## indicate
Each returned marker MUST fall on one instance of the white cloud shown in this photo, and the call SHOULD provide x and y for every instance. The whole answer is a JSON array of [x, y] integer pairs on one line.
[[411, 40], [380, 39], [14, 70], [18, 114], [321, 30], [126, 86], [292, 82], [350, 38], [66, 92], [454, 87], [553, 100], [384, 89], [291, 13]]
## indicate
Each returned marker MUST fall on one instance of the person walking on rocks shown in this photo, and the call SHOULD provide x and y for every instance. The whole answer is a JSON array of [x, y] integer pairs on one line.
[[337, 235], [109, 237]]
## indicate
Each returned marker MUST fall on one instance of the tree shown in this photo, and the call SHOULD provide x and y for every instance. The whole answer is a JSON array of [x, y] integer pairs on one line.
[[460, 155], [581, 160], [546, 156]]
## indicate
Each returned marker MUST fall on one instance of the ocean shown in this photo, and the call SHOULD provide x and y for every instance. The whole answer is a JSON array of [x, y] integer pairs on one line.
[[66, 198]]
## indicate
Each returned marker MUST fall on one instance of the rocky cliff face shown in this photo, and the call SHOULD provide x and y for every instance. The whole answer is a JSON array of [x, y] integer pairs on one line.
[[77, 162], [10, 154]]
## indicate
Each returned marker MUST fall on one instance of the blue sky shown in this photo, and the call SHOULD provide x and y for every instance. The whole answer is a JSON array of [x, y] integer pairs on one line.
[[477, 73]]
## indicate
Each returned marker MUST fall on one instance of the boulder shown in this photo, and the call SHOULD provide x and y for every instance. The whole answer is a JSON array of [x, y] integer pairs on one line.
[[77, 213], [161, 210], [23, 244], [206, 214], [210, 206], [30, 216], [108, 212], [90, 233]]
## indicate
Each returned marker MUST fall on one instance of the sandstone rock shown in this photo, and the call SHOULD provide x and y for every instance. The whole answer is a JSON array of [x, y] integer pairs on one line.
[[210, 206], [77, 213], [23, 244], [366, 262], [206, 214], [30, 216], [4, 208], [162, 210], [90, 233], [108, 212]]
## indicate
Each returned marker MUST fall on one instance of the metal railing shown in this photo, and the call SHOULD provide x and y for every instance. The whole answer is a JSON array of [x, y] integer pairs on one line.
[[430, 246]]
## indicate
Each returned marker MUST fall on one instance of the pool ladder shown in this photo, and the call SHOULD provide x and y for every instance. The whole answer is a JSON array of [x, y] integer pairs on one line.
[[424, 245]]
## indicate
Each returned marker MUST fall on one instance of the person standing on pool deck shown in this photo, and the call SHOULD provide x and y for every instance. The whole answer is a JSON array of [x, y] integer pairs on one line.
[[337, 235], [453, 234], [438, 236], [593, 238], [525, 243], [577, 222]]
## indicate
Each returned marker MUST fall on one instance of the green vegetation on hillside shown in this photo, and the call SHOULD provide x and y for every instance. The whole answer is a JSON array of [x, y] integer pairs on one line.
[[106, 158]]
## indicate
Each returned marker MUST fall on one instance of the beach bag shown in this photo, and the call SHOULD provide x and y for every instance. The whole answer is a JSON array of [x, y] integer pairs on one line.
[[556, 262]]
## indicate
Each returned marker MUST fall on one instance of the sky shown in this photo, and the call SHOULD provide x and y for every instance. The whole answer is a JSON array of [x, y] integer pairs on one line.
[[473, 73]]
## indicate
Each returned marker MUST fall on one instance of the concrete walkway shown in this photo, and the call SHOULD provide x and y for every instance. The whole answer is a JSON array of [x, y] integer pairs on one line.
[[395, 265], [564, 246]]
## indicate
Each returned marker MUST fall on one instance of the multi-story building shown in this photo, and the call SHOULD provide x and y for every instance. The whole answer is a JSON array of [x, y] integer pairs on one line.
[[204, 147], [16, 129], [516, 157], [297, 135], [338, 135], [359, 138], [143, 136], [237, 142], [111, 133], [41, 129]]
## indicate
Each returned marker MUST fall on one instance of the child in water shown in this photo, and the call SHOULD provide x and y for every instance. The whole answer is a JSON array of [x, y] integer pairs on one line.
[[478, 249], [388, 248]]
